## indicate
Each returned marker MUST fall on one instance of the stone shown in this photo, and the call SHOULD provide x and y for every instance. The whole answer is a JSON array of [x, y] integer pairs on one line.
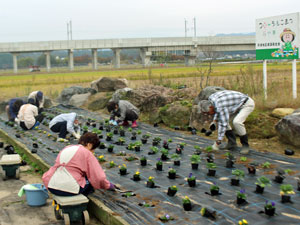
[[175, 114], [67, 93], [121, 94], [288, 129], [79, 99], [104, 84], [99, 101], [282, 112], [47, 102], [154, 117], [206, 92]]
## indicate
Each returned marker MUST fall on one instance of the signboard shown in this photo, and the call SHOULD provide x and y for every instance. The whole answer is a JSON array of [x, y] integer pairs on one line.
[[278, 37]]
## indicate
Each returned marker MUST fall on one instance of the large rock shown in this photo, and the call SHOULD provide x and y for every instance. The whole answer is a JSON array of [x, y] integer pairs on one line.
[[99, 101], [282, 112], [104, 84], [206, 92], [197, 119], [79, 100], [175, 114], [121, 94], [288, 129], [149, 98], [67, 93]]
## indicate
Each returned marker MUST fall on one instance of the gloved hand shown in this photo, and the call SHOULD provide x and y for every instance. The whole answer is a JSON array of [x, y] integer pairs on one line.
[[113, 122], [213, 126], [17, 120], [216, 146], [76, 135], [112, 187]]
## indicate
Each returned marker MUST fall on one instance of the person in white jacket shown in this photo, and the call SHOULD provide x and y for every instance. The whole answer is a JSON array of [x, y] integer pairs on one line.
[[63, 124], [28, 116], [38, 98]]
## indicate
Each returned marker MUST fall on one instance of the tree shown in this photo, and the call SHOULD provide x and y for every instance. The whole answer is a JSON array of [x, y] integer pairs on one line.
[[25, 62], [41, 61]]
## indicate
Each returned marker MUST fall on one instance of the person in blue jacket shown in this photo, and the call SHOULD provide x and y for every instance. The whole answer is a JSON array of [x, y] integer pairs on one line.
[[13, 107]]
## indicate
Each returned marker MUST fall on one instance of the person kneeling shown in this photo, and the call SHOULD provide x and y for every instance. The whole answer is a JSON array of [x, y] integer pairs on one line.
[[76, 170]]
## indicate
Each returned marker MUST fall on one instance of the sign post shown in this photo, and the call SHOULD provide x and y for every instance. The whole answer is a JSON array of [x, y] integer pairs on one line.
[[278, 38]]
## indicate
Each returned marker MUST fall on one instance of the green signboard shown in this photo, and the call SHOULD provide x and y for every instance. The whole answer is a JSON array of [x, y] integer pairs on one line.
[[278, 37]]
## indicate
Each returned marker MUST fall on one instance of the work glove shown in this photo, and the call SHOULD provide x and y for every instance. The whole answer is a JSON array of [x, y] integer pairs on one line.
[[213, 126], [76, 135], [216, 146], [112, 187], [113, 122]]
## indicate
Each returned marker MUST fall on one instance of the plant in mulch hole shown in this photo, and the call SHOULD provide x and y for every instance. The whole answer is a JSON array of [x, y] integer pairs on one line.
[[9, 149], [164, 154], [110, 148], [172, 190], [101, 158], [198, 150], [146, 205], [159, 164], [166, 218], [143, 161], [139, 132], [137, 146], [195, 159], [243, 159], [133, 136], [153, 151], [176, 159], [230, 159], [131, 158], [85, 129], [122, 153], [112, 164], [286, 190], [214, 189], [261, 183], [129, 129], [156, 141], [150, 182], [116, 130], [191, 180], [186, 202], [210, 157], [136, 176], [122, 131], [109, 136], [280, 176], [145, 138], [211, 169], [131, 146], [102, 145], [241, 197], [123, 169], [1, 144], [121, 141], [107, 128], [165, 144], [205, 212], [243, 222], [128, 194], [172, 173], [35, 145], [270, 208], [266, 165], [239, 175], [251, 168], [181, 145]]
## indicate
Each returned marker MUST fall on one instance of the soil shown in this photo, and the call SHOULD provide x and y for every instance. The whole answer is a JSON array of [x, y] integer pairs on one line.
[[14, 209]]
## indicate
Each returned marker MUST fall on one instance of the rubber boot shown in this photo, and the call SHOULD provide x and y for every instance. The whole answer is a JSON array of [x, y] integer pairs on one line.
[[245, 144], [125, 123], [134, 124], [231, 145]]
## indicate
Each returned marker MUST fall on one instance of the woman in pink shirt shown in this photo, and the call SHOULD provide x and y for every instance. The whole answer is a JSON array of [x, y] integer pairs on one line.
[[76, 169]]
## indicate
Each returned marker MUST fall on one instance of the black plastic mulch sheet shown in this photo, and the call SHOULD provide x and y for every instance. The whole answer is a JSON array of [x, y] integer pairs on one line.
[[131, 208]]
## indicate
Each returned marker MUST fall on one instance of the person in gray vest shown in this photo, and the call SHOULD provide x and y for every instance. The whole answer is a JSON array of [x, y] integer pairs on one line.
[[226, 106], [63, 124], [125, 111]]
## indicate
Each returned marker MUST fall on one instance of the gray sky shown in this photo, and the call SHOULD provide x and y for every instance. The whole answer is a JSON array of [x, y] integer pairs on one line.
[[43, 20]]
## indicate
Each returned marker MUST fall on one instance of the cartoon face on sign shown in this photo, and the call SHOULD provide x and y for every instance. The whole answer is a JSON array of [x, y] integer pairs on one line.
[[287, 49]]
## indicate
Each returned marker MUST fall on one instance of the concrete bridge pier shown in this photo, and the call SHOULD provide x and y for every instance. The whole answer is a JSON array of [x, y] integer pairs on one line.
[[145, 56], [48, 61], [116, 58], [15, 62], [190, 58], [94, 59], [71, 59]]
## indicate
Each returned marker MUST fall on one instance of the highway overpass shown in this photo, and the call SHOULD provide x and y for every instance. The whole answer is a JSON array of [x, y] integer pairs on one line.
[[191, 46]]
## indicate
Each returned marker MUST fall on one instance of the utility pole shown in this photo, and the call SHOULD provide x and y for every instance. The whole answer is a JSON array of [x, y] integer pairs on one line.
[[185, 27], [68, 32], [195, 27], [71, 31]]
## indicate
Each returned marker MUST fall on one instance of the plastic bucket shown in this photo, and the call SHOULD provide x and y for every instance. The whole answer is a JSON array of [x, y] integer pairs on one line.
[[36, 197]]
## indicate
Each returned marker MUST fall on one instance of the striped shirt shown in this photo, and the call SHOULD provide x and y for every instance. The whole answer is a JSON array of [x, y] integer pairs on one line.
[[225, 104]]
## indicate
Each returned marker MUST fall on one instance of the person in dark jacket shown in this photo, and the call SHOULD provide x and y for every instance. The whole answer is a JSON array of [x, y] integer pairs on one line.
[[13, 107], [125, 111]]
